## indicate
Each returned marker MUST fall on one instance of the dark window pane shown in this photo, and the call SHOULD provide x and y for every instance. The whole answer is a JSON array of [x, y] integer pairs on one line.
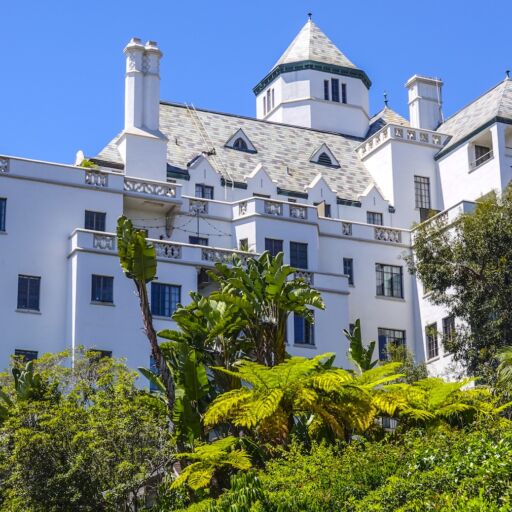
[[422, 192], [303, 331], [240, 144], [327, 211], [386, 336], [28, 292], [335, 89], [164, 299], [344, 93], [273, 246], [374, 218], [299, 255], [26, 355], [204, 191], [326, 90], [102, 289], [197, 240], [3, 213], [95, 220], [389, 280], [348, 269]]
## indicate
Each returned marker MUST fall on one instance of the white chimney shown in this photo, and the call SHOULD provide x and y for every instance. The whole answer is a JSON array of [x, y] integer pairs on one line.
[[142, 146], [425, 102]]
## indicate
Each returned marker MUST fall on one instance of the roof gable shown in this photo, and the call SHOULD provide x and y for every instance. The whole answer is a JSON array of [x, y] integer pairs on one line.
[[241, 142], [324, 156]]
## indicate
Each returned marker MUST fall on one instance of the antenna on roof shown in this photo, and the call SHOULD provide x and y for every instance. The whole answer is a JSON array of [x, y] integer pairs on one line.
[[309, 15], [386, 99]]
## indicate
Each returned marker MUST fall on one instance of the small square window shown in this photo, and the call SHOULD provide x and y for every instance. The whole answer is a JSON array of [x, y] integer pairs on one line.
[[3, 212], [95, 220], [374, 218], [164, 299], [197, 240], [387, 336], [303, 331], [273, 246], [102, 289], [29, 288], [204, 191]]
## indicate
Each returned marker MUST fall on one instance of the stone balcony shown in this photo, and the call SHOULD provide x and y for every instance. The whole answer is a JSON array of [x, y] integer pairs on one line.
[[403, 134]]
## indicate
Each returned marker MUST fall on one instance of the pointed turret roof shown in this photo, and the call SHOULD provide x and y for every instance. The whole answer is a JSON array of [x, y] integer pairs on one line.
[[312, 44]]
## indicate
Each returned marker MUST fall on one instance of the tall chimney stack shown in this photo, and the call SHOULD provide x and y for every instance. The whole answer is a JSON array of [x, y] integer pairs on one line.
[[425, 102], [142, 146]]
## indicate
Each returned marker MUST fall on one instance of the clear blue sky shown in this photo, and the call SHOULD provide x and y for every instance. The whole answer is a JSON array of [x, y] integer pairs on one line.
[[61, 84]]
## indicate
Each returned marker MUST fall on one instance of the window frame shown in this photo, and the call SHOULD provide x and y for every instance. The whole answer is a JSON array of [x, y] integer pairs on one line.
[[348, 269], [372, 215], [203, 189], [383, 271], [272, 241], [432, 341], [198, 240], [295, 256], [243, 244], [422, 195], [448, 326], [306, 328], [382, 332], [98, 218], [170, 302], [344, 93], [3, 214], [335, 90], [31, 282], [105, 295], [326, 90]]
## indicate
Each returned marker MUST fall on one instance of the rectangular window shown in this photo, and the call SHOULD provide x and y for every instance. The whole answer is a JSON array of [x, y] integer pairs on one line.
[[243, 244], [273, 246], [303, 331], [204, 191], [348, 269], [3, 212], [343, 93], [28, 292], [102, 289], [26, 355], [374, 218], [448, 328], [422, 191], [327, 210], [299, 255], [164, 299], [482, 154], [387, 336], [197, 240], [95, 220], [432, 341], [326, 90], [335, 90], [389, 281]]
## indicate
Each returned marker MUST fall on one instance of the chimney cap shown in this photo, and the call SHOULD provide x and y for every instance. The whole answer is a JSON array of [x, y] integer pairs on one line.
[[152, 47], [424, 79], [134, 43]]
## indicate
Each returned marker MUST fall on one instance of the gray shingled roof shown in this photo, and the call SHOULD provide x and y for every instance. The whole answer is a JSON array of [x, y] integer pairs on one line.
[[312, 44], [494, 103], [283, 150], [384, 117]]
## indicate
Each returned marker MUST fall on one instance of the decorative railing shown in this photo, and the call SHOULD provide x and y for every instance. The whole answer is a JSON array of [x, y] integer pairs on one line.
[[298, 212], [104, 242], [198, 206], [242, 208], [401, 133], [481, 160], [387, 235], [167, 250], [304, 274], [150, 188], [273, 208], [4, 165], [96, 178], [346, 229], [220, 256]]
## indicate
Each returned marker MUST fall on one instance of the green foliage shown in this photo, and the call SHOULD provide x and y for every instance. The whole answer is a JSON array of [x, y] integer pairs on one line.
[[412, 371], [467, 268], [89, 441], [359, 355], [88, 164], [264, 295], [137, 256]]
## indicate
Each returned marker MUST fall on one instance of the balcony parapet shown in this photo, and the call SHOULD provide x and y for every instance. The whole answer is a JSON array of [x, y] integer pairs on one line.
[[305, 275], [138, 187], [401, 133]]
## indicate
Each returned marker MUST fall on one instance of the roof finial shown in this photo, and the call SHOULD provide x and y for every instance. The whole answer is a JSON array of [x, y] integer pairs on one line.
[[507, 74], [310, 14], [385, 99]]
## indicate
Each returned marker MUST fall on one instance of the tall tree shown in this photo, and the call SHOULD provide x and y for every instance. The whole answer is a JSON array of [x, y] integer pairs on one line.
[[467, 268]]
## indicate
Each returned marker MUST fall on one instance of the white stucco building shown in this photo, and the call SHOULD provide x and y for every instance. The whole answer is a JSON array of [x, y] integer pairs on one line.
[[313, 174]]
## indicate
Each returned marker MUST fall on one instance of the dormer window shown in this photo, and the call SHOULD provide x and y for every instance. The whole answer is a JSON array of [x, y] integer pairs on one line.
[[240, 144], [324, 159]]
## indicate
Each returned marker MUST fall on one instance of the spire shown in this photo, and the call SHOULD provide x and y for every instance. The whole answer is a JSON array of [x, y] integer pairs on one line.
[[312, 44]]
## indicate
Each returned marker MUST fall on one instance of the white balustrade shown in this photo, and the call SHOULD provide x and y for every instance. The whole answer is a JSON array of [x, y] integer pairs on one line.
[[387, 235], [273, 208], [4, 165], [167, 250], [305, 275], [150, 188], [298, 212], [96, 178], [220, 256], [104, 242]]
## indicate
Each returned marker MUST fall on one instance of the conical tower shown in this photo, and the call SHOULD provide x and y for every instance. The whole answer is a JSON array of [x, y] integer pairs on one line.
[[315, 85]]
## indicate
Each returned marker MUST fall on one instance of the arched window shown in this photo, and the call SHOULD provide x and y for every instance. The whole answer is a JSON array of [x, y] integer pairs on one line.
[[240, 144], [324, 159]]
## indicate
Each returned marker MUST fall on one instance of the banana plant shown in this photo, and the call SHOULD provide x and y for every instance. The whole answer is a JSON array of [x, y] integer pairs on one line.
[[358, 355], [138, 261]]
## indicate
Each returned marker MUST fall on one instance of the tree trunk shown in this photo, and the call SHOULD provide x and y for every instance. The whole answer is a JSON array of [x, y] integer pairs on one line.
[[156, 351]]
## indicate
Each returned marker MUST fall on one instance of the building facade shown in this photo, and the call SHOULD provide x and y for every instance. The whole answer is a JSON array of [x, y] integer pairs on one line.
[[314, 175]]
